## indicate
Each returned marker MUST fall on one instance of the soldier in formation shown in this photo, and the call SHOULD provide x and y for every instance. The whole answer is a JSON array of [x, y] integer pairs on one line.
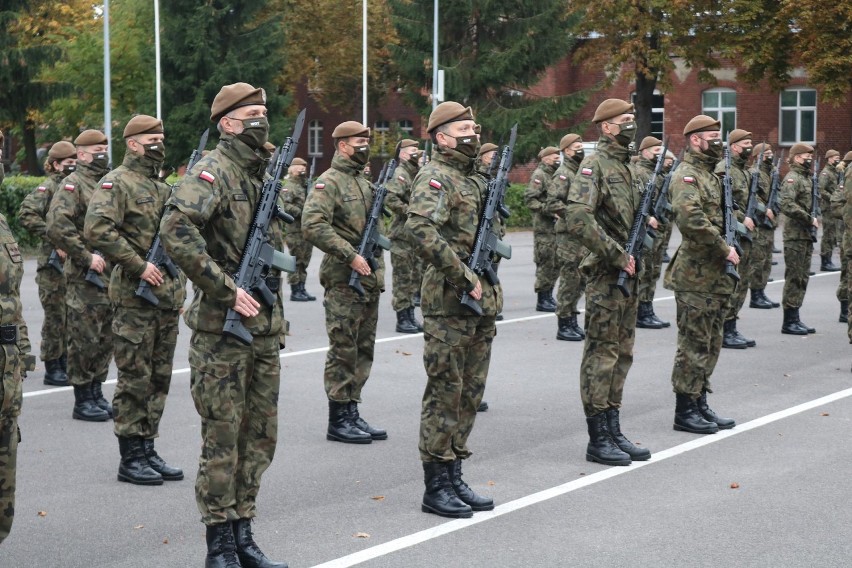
[[763, 235], [837, 209], [828, 185], [544, 250], [293, 195]]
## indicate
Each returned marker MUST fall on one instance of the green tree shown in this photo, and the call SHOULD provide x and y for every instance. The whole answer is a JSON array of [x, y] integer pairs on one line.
[[492, 53]]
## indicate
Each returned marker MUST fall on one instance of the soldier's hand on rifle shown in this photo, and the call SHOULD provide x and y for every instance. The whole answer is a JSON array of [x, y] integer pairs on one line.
[[61, 254], [98, 264], [476, 293], [815, 223], [152, 275], [360, 265], [770, 214], [653, 223], [733, 256], [245, 305], [630, 268], [749, 224]]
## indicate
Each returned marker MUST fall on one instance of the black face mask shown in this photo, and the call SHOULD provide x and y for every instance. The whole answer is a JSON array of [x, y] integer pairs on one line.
[[578, 155], [155, 152], [714, 149], [626, 133], [468, 145], [255, 132], [361, 155], [414, 160], [100, 162], [807, 164], [68, 170], [746, 153]]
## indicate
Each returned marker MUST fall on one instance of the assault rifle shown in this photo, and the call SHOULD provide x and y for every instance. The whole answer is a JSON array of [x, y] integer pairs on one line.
[[156, 253], [730, 220], [640, 236], [773, 203], [92, 277], [751, 206], [54, 262], [371, 239], [487, 243], [310, 181], [663, 206], [815, 211], [259, 258]]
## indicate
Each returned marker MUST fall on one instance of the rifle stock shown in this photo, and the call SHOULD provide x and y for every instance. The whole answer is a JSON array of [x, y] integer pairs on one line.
[[54, 262], [815, 211], [730, 225]]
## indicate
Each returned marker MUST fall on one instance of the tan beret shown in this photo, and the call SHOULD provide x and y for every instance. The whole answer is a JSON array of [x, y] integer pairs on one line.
[[62, 150], [569, 139], [611, 108], [670, 154], [761, 148], [831, 154], [90, 138], [550, 150], [298, 162], [350, 128], [408, 143], [649, 142], [738, 135], [800, 148], [449, 111], [701, 123], [235, 96], [848, 157], [143, 124], [487, 147]]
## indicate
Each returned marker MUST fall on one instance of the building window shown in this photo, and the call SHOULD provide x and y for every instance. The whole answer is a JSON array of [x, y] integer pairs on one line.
[[406, 127], [657, 113], [315, 139], [381, 138], [721, 104], [798, 116]]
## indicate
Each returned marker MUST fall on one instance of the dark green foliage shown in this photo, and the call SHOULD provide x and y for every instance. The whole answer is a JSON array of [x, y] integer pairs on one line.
[[12, 193]]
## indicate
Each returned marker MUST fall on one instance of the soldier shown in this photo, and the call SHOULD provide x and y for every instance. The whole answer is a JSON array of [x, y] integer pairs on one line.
[[569, 250], [602, 203], [293, 196], [828, 183], [535, 197], [668, 164], [446, 201], [652, 260], [89, 313], [838, 206], [796, 197], [741, 149], [407, 271], [32, 215], [760, 263], [333, 219], [122, 221], [697, 274], [16, 361], [234, 386]]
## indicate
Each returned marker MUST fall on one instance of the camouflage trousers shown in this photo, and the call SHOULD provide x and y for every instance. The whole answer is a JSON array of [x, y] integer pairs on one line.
[[350, 322], [145, 341], [797, 265], [847, 265], [89, 336], [737, 299], [700, 318], [51, 294], [830, 234], [11, 390], [406, 276], [302, 250], [652, 265], [235, 391], [572, 281], [760, 262], [546, 263], [610, 325], [456, 354]]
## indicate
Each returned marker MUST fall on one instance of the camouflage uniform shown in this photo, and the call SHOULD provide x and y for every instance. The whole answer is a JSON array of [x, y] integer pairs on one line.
[[544, 241], [569, 250], [602, 203], [697, 275], [14, 360], [51, 283], [407, 269], [740, 185], [333, 219], [89, 315], [827, 186], [836, 212], [122, 220], [845, 207], [760, 262], [798, 245], [293, 201], [234, 386], [652, 260], [443, 215]]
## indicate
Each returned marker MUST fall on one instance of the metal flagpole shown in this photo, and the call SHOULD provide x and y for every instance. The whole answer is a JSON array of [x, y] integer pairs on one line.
[[107, 93], [364, 67], [435, 60], [157, 55]]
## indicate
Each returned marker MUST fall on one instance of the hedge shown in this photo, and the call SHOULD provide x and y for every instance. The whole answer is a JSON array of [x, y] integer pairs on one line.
[[12, 193]]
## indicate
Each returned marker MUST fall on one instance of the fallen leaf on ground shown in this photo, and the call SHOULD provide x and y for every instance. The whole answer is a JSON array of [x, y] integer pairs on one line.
[[378, 498], [166, 540], [735, 485], [824, 414], [42, 513], [361, 535], [406, 353], [492, 483], [139, 527]]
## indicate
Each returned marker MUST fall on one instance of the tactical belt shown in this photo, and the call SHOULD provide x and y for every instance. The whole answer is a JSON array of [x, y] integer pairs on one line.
[[8, 334]]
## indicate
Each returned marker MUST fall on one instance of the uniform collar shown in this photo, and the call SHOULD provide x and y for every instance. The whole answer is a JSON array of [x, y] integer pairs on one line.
[[242, 155], [700, 160], [346, 165], [453, 159], [136, 163], [611, 149]]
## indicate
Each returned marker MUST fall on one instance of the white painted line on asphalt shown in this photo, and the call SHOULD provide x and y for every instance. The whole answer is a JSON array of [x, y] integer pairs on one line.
[[459, 524]]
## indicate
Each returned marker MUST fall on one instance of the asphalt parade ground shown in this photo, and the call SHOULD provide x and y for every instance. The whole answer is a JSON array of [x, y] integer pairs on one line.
[[774, 491]]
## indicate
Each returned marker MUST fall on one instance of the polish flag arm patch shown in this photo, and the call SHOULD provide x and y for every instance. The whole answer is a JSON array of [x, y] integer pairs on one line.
[[400, 178], [435, 183], [586, 171], [562, 177], [42, 188], [536, 180], [207, 176], [106, 185], [791, 180], [69, 187], [688, 179], [319, 186]]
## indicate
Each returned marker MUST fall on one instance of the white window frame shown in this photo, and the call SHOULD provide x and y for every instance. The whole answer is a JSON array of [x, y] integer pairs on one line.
[[381, 137], [655, 110], [315, 131], [406, 126], [718, 111], [799, 109]]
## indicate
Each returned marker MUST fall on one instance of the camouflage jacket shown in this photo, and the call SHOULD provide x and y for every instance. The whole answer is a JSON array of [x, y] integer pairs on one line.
[[698, 265], [845, 206], [204, 230], [740, 183], [557, 192], [292, 198], [827, 185], [65, 217], [796, 204], [764, 188], [443, 216], [485, 173], [333, 220], [838, 199], [642, 171], [602, 202], [32, 214], [122, 220], [399, 195], [535, 197]]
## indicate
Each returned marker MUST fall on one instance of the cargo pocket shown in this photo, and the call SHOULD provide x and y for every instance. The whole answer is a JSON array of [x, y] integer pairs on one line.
[[212, 388], [12, 384]]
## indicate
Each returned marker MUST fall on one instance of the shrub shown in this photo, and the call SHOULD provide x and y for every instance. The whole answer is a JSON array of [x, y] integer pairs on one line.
[[12, 193]]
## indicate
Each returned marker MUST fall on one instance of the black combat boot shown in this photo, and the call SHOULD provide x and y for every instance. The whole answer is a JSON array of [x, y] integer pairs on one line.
[[159, 465], [499, 316], [741, 337], [543, 305], [759, 301], [221, 548], [416, 299], [98, 397], [341, 428], [644, 319], [844, 311], [64, 362], [791, 325], [565, 331], [826, 265], [296, 294], [355, 417], [413, 319], [249, 553], [54, 375], [85, 407], [576, 325], [625, 445], [463, 490], [710, 416], [730, 340], [803, 324], [550, 299], [439, 497], [602, 448], [654, 317], [403, 324], [134, 467], [308, 295], [483, 407], [688, 419], [768, 299]]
